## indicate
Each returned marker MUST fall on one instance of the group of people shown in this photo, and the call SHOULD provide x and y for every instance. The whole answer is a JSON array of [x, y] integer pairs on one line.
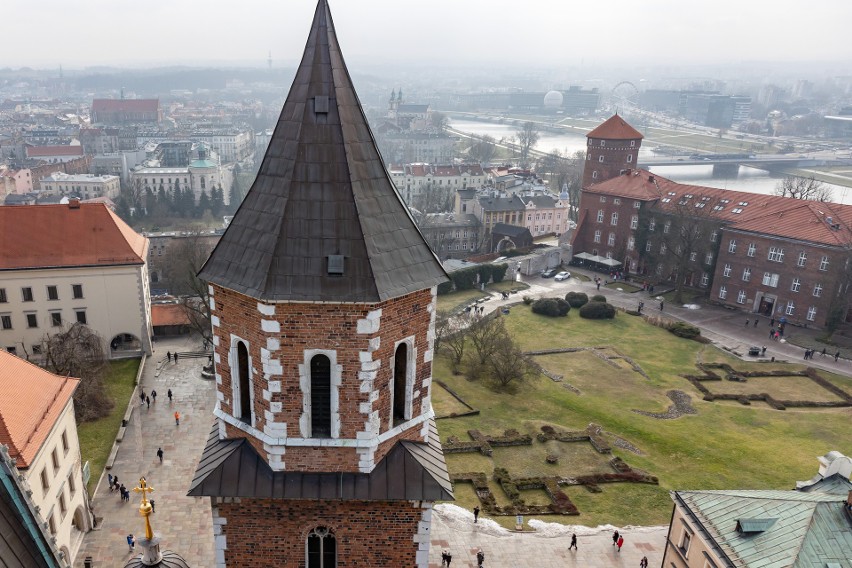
[[169, 356], [809, 353], [114, 485]]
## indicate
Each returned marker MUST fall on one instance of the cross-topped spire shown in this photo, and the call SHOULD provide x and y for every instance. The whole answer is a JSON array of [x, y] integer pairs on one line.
[[145, 508]]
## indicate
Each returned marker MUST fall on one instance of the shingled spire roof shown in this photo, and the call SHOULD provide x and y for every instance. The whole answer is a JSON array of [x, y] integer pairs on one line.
[[323, 193]]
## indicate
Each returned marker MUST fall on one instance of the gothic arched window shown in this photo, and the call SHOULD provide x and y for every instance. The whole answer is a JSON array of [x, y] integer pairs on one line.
[[244, 383], [321, 549]]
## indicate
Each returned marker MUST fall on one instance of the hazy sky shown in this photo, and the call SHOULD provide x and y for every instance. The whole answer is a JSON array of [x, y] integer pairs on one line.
[[78, 33]]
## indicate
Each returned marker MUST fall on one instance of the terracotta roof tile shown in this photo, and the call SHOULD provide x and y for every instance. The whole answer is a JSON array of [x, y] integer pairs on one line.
[[125, 105], [31, 400], [168, 314], [615, 128], [49, 236], [766, 214], [43, 151]]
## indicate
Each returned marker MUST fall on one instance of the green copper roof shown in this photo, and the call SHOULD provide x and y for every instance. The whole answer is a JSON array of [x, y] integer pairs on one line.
[[810, 529], [202, 164]]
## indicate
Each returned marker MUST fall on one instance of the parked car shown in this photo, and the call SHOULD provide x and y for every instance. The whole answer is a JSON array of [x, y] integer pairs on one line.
[[550, 273], [563, 276]]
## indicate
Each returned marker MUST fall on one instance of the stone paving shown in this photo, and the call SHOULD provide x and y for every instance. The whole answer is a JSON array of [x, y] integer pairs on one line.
[[184, 523]]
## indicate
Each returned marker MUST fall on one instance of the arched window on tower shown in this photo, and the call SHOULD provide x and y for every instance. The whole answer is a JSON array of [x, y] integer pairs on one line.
[[400, 384], [321, 549], [320, 397], [244, 383]]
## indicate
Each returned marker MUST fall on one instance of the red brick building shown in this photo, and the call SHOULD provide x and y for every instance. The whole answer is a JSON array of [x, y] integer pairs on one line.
[[324, 451], [765, 254], [126, 111], [610, 148]]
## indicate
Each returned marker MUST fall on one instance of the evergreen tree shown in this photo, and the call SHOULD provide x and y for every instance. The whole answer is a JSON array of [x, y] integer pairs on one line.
[[236, 195], [122, 209], [203, 203], [150, 202], [217, 201]]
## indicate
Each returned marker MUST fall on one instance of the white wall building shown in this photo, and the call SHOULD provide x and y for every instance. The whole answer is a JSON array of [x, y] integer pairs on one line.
[[81, 263], [38, 426], [84, 186]]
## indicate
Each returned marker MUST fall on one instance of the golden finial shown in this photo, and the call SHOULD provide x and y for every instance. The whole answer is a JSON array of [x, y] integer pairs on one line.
[[145, 508]]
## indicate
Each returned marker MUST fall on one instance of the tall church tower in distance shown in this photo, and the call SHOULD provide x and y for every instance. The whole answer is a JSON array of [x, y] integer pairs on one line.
[[610, 148], [324, 451]]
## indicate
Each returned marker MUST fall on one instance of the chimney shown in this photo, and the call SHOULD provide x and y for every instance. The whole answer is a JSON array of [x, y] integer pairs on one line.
[[73, 204], [651, 179]]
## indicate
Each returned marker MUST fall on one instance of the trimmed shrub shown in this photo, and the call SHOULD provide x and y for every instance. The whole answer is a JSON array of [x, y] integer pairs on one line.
[[577, 299], [498, 272], [599, 298], [484, 272], [597, 310], [465, 279], [528, 300], [445, 288], [685, 330], [552, 307]]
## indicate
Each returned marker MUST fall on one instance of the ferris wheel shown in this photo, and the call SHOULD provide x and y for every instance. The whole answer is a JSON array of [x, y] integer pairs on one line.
[[624, 95]]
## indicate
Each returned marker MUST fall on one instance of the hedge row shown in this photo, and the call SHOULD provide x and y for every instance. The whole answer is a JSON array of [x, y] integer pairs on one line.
[[467, 278]]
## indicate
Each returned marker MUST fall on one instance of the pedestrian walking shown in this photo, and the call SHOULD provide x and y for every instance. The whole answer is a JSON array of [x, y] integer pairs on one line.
[[614, 537], [662, 303], [131, 542], [109, 478], [807, 352], [756, 321], [115, 481], [177, 418], [620, 542], [476, 514], [142, 395], [837, 356], [823, 351], [644, 562], [599, 285], [446, 558], [176, 356], [148, 401], [772, 322], [169, 356], [160, 454], [121, 490], [763, 351], [153, 505], [169, 394], [747, 322], [480, 558], [573, 542]]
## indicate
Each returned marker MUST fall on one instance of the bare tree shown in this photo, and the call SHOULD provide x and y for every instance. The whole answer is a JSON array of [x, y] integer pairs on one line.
[[486, 335], [806, 188], [483, 149], [454, 336], [566, 171], [439, 120], [434, 199], [185, 258], [79, 352], [528, 136], [508, 364]]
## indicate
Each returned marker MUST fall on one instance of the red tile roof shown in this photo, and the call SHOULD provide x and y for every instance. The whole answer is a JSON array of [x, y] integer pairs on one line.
[[31, 401], [125, 105], [50, 236], [615, 128], [765, 214], [168, 314], [46, 151]]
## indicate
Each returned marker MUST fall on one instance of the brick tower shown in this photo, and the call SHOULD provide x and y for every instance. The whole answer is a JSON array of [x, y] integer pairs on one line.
[[610, 148], [324, 451]]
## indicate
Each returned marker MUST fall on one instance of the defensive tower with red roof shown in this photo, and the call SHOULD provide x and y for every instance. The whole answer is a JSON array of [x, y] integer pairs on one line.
[[324, 452], [610, 148]]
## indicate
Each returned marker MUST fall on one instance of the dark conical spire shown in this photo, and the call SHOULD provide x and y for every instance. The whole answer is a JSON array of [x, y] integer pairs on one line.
[[323, 221]]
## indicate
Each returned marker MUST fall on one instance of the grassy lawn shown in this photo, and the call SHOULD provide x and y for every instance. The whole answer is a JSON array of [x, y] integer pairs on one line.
[[455, 300], [725, 445], [96, 437], [624, 286]]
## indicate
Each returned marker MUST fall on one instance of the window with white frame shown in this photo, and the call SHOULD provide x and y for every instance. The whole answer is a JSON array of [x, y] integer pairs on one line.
[[600, 215], [726, 272], [791, 308], [631, 243], [708, 260], [732, 246], [776, 254], [713, 236], [637, 204], [634, 222], [663, 248], [600, 159], [648, 246], [613, 219], [823, 263], [683, 546], [705, 279], [652, 224], [746, 274], [693, 256], [723, 292], [617, 201], [610, 241], [795, 285], [659, 269], [597, 236], [770, 279], [803, 258], [321, 549], [752, 249], [817, 290], [321, 394], [811, 313], [595, 175], [667, 227], [741, 297]]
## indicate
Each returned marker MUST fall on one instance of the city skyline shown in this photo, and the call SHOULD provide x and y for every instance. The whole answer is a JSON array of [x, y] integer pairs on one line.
[[538, 33]]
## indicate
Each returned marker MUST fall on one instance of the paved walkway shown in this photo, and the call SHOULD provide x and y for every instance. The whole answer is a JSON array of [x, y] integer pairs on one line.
[[184, 523]]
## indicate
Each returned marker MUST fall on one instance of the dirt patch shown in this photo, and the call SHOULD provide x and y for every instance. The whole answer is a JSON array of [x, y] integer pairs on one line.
[[682, 405]]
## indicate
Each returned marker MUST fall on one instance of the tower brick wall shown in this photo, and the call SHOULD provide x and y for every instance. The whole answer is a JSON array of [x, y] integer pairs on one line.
[[363, 338], [606, 158], [263, 534]]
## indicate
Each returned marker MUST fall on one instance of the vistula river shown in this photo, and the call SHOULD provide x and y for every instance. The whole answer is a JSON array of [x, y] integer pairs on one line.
[[746, 179]]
